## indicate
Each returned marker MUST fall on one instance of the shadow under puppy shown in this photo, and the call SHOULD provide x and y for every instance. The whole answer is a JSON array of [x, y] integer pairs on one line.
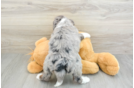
[[63, 57]]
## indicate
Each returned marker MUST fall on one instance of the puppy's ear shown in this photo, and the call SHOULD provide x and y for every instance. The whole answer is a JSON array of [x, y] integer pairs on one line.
[[56, 21], [54, 24], [72, 21]]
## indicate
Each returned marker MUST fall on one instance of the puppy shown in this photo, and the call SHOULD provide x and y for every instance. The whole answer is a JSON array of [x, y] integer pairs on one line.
[[63, 57]]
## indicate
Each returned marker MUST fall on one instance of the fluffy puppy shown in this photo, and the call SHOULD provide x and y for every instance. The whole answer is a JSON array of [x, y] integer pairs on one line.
[[63, 57]]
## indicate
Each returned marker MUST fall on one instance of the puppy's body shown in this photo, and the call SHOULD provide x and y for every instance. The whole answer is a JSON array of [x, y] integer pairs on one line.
[[64, 47], [63, 54]]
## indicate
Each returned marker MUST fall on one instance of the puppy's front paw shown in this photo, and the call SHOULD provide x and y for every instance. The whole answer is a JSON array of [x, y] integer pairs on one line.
[[86, 35], [38, 76], [85, 79]]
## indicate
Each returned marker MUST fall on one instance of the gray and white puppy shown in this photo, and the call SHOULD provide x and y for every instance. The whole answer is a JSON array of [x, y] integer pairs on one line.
[[63, 57]]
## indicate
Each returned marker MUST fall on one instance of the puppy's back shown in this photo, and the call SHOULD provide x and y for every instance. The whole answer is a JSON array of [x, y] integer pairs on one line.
[[64, 47], [63, 54]]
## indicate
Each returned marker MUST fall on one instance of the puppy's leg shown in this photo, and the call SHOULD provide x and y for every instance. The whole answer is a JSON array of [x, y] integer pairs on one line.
[[77, 75], [46, 75], [60, 77], [80, 79]]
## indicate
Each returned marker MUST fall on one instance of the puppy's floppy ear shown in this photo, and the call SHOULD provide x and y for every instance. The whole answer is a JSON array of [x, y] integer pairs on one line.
[[56, 21], [72, 21], [54, 24]]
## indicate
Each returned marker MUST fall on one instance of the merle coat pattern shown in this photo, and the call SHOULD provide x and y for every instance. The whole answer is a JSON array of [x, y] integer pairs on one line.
[[63, 57]]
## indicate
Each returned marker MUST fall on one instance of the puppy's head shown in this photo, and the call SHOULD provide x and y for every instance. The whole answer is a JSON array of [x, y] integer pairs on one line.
[[58, 19]]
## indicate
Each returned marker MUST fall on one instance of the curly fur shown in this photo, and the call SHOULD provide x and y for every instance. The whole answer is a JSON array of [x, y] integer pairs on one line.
[[63, 57]]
